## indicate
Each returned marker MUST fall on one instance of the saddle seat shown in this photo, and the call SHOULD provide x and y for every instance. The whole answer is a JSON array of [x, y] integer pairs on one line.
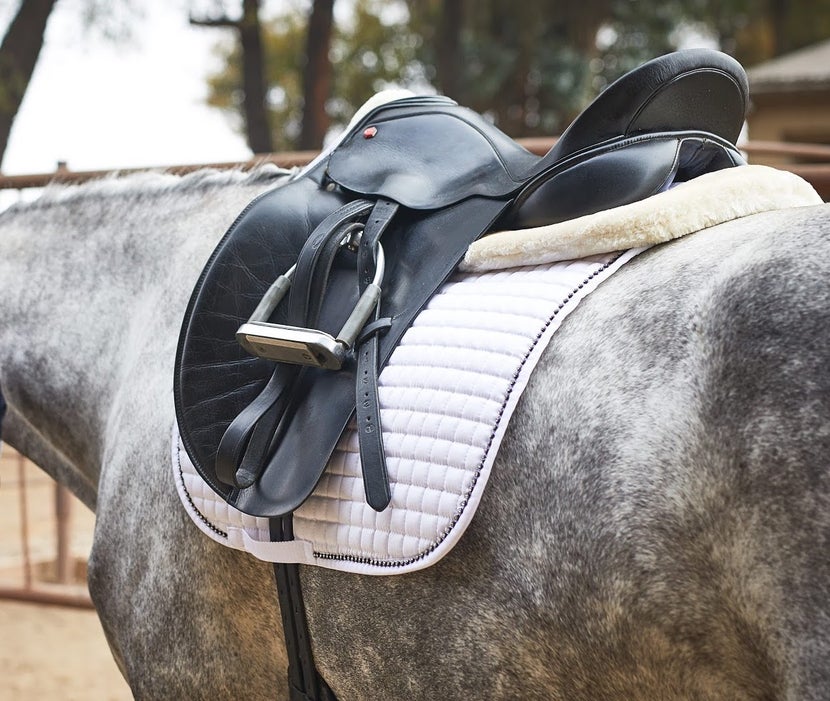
[[428, 177]]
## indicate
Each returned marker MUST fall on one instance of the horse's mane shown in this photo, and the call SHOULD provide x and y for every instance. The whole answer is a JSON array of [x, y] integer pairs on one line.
[[152, 183]]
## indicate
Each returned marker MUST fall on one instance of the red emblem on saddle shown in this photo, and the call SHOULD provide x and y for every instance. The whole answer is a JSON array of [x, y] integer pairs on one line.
[[369, 132]]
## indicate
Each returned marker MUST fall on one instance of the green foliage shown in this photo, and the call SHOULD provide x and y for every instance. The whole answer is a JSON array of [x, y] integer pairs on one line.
[[284, 41], [750, 30], [529, 65], [369, 55]]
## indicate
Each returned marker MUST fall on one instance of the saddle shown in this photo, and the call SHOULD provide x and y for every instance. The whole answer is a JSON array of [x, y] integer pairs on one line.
[[307, 294]]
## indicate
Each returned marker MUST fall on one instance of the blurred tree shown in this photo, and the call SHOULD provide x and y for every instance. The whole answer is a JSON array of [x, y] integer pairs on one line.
[[317, 75], [757, 30], [249, 30], [530, 66], [18, 55], [369, 53], [750, 30], [525, 64], [23, 41], [375, 50]]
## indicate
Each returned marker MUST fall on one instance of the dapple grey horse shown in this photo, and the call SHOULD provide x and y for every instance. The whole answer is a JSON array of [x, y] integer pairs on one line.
[[656, 526]]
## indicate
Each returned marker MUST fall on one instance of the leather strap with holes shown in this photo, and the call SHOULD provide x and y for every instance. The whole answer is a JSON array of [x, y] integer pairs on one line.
[[367, 404]]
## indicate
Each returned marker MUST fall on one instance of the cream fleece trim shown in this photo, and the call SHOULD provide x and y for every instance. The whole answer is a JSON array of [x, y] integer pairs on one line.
[[710, 199]]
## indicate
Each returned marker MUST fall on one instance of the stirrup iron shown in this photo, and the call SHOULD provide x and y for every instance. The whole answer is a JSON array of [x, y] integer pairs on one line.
[[298, 345]]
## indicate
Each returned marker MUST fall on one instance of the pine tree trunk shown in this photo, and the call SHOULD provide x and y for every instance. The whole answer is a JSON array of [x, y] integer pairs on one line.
[[253, 79], [448, 49], [317, 76], [18, 55]]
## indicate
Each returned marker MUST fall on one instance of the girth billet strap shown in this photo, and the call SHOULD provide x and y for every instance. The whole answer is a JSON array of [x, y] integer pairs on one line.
[[304, 681]]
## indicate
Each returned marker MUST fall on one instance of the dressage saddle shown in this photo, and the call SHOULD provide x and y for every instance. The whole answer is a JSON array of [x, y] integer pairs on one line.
[[304, 299]]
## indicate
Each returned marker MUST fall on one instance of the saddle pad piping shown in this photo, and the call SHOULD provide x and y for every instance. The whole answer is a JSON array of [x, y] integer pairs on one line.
[[253, 535]]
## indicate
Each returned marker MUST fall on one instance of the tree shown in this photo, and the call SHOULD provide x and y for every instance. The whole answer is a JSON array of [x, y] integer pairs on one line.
[[529, 66], [370, 54], [257, 123], [23, 41], [317, 75], [18, 56], [524, 64], [448, 49], [750, 30]]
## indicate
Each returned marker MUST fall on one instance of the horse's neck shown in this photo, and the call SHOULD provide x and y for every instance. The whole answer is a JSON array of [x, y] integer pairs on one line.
[[74, 299], [93, 290]]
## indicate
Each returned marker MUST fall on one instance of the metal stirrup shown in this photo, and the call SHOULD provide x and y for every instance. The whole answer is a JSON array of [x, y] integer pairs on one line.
[[305, 346]]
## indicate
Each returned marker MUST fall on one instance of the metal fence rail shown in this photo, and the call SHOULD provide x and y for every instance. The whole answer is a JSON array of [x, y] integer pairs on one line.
[[810, 161], [63, 176], [40, 566]]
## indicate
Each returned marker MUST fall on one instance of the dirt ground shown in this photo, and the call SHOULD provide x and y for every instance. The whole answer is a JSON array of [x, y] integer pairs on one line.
[[47, 652], [52, 653]]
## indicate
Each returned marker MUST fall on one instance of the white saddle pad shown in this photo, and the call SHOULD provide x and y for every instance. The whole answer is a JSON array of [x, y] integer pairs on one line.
[[446, 397]]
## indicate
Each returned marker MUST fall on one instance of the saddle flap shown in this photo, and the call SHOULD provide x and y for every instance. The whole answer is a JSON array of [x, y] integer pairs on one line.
[[428, 159]]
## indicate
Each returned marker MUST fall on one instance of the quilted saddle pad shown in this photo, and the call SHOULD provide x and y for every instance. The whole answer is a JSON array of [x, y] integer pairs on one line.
[[446, 396]]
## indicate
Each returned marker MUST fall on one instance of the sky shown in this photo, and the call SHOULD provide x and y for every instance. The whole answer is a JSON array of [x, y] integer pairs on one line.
[[96, 104]]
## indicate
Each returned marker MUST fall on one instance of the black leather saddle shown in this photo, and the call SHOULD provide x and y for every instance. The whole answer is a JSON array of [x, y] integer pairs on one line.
[[359, 241]]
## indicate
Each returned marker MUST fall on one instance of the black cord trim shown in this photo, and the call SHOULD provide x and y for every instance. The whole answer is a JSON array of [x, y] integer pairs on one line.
[[201, 516]]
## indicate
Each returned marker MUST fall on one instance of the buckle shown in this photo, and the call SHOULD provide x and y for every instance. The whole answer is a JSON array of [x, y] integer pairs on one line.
[[305, 346]]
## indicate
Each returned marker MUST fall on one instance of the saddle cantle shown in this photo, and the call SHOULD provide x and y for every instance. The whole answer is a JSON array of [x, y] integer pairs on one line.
[[424, 177]]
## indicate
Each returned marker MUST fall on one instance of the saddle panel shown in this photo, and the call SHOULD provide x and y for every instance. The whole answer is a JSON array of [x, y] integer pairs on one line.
[[428, 158]]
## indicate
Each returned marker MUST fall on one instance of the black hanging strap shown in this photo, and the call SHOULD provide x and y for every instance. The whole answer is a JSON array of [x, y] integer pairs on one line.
[[244, 448], [304, 681]]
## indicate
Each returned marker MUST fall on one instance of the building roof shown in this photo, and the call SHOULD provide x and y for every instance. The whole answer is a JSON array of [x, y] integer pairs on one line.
[[807, 69]]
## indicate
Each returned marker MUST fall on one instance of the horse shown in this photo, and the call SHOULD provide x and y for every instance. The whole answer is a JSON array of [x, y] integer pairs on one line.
[[656, 525]]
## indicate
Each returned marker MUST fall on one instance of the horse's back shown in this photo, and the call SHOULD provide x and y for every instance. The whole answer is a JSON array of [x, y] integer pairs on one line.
[[655, 525]]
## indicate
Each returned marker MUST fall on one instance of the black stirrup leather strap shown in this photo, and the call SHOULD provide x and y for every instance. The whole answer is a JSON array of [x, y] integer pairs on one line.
[[367, 404], [304, 681]]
